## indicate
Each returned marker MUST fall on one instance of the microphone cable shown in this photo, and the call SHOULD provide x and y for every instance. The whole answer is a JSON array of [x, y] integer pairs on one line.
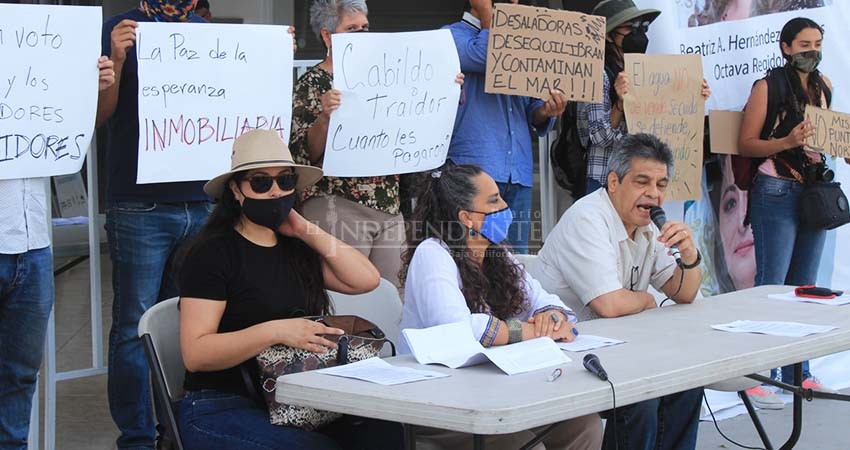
[[681, 282], [614, 414], [716, 426]]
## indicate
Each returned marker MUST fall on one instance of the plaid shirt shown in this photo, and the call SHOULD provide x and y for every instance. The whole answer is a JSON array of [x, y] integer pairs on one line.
[[597, 134]]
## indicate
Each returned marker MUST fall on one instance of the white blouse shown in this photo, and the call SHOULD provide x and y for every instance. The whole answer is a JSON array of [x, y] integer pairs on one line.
[[433, 296]]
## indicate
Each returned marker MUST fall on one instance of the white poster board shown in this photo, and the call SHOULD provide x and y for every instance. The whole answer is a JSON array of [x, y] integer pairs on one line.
[[399, 100], [203, 85], [48, 88]]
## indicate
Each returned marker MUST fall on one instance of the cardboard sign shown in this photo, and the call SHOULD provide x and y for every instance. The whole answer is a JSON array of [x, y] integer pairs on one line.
[[832, 131], [203, 85], [48, 88], [398, 106], [665, 101], [724, 128], [532, 50]]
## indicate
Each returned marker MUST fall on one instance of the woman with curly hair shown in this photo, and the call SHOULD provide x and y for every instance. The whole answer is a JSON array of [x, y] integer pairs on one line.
[[457, 269]]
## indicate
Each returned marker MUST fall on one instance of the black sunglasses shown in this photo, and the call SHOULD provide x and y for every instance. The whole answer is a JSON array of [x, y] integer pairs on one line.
[[262, 183]]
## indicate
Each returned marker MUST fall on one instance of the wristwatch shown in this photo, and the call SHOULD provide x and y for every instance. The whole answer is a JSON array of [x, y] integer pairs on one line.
[[514, 331], [694, 264]]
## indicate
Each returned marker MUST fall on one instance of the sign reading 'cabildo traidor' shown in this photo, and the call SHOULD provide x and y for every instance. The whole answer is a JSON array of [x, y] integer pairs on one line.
[[398, 106]]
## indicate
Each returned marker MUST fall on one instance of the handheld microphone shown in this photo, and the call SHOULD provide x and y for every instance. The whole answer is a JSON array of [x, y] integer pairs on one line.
[[592, 364], [659, 219]]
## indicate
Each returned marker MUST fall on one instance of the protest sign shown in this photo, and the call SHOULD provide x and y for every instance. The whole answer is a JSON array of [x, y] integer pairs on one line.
[[532, 50], [665, 101], [203, 85], [48, 88], [832, 131], [399, 100], [724, 128]]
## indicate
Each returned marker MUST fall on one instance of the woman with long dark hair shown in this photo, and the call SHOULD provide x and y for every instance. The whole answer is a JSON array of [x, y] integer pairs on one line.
[[256, 269], [786, 251], [457, 268]]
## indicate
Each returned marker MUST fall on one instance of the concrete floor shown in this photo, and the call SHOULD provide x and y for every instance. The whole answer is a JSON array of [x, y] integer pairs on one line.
[[83, 420]]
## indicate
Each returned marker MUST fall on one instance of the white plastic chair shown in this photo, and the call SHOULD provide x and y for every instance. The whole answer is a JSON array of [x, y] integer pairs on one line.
[[159, 329], [382, 307]]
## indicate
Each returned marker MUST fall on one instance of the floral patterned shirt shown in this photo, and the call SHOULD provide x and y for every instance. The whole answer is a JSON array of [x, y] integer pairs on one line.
[[380, 193]]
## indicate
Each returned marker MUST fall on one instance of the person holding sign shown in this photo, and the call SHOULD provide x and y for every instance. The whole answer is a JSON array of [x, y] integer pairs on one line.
[[774, 132], [602, 125], [493, 131], [253, 272], [604, 254], [26, 292], [145, 223], [457, 268], [364, 212]]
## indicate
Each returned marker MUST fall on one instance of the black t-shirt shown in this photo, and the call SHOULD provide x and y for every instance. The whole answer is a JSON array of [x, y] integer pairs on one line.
[[122, 146], [258, 285]]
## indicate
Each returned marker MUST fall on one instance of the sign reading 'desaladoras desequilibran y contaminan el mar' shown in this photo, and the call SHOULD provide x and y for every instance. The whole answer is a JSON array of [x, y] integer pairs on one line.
[[534, 50]]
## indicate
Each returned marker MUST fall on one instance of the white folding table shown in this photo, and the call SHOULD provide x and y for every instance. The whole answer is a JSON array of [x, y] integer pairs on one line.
[[667, 350]]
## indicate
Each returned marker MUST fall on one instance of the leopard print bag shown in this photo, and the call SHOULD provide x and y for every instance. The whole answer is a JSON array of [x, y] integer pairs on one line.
[[362, 340]]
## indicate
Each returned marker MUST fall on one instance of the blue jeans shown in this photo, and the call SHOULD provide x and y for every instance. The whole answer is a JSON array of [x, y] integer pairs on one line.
[[786, 252], [518, 198], [142, 236], [667, 423], [211, 419], [26, 297]]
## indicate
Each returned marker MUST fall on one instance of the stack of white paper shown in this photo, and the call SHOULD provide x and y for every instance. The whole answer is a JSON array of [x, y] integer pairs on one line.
[[792, 297], [453, 345], [376, 370], [790, 329], [585, 342]]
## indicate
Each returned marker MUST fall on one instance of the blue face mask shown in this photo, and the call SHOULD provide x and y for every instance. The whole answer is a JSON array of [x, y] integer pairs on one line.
[[495, 226]]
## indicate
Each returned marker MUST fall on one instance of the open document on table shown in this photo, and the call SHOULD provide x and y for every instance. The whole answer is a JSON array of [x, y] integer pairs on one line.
[[790, 329], [454, 346]]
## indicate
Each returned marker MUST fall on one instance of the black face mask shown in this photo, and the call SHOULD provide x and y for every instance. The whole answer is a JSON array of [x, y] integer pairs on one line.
[[635, 42], [268, 212]]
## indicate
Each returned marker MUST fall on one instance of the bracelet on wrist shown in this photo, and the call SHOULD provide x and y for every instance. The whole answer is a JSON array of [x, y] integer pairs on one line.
[[693, 265], [514, 331]]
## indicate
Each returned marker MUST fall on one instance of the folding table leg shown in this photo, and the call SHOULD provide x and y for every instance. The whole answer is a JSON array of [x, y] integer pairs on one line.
[[798, 409], [478, 442], [756, 421], [409, 437]]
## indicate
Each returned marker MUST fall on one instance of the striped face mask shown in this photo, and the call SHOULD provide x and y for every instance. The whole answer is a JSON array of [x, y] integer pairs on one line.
[[169, 11]]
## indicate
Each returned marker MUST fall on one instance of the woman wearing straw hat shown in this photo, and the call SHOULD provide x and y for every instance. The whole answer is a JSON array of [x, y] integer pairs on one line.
[[255, 269]]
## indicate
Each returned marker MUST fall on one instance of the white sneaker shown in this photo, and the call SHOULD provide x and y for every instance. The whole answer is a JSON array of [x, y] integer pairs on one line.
[[764, 399]]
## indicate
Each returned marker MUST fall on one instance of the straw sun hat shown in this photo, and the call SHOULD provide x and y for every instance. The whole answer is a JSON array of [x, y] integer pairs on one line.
[[258, 149]]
